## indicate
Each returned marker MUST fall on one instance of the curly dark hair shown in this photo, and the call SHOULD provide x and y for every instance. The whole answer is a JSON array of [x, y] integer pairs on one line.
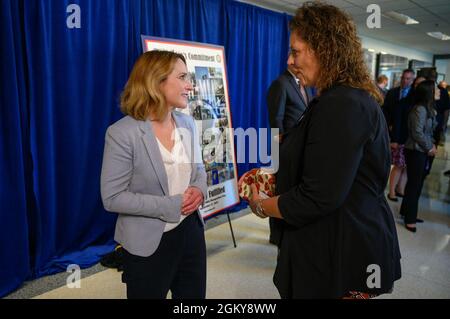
[[331, 33]]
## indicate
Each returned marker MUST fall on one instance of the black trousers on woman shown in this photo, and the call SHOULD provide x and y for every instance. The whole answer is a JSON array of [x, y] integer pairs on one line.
[[178, 265], [415, 170]]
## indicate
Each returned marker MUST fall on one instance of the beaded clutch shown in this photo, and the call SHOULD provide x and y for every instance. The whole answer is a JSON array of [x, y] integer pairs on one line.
[[264, 180]]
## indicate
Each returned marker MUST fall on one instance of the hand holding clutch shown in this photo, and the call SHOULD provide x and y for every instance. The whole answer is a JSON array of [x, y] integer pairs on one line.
[[262, 178]]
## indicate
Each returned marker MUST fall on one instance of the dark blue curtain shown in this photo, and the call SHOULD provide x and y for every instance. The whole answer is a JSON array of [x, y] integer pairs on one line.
[[14, 153], [59, 92]]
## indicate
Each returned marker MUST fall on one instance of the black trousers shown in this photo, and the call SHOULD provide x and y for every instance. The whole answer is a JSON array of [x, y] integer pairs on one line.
[[178, 265], [415, 170]]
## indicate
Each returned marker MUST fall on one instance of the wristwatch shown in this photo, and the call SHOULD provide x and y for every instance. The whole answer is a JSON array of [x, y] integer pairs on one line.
[[260, 209]]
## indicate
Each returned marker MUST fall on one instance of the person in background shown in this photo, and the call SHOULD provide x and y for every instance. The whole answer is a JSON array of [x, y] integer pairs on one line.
[[443, 85], [418, 146], [154, 179], [287, 99], [399, 134], [382, 81], [442, 106], [334, 167], [393, 96], [392, 102]]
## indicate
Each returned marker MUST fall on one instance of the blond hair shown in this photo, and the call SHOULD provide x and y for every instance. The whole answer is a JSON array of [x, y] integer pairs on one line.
[[142, 96], [331, 34], [382, 78]]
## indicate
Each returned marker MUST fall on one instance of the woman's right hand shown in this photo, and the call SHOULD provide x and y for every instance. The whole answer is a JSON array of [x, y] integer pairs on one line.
[[433, 151], [192, 199]]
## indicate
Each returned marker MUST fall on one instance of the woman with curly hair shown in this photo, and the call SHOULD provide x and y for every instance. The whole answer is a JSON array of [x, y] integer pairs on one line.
[[338, 234]]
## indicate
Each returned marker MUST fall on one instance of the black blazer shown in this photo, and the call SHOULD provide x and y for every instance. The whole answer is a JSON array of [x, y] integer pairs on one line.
[[334, 166], [399, 118], [390, 102], [285, 102]]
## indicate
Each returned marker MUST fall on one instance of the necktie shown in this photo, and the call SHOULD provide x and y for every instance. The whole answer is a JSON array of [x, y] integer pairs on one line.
[[404, 93], [303, 92]]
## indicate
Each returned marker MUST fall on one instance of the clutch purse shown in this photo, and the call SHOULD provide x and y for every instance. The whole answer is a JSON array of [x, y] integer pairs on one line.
[[264, 180]]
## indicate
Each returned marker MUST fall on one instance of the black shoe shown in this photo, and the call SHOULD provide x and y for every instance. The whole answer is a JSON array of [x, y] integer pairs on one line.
[[447, 173], [114, 259], [399, 194], [418, 220], [411, 229], [394, 199]]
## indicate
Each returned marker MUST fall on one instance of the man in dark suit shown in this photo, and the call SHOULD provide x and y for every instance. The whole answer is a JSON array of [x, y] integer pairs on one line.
[[395, 99], [393, 96], [287, 99]]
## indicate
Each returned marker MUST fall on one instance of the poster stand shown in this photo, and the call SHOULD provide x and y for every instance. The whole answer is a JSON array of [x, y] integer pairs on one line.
[[231, 229]]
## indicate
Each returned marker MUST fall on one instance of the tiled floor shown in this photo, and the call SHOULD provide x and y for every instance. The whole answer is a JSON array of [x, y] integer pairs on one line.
[[426, 254]]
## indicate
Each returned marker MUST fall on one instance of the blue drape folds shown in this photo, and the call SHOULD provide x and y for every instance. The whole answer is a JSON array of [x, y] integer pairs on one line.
[[59, 92], [14, 156]]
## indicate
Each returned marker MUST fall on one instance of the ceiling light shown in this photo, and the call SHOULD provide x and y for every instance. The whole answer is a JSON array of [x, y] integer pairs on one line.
[[402, 18], [382, 52], [439, 35], [371, 50]]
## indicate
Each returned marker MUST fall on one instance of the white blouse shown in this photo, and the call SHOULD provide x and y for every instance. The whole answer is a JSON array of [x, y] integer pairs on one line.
[[178, 170]]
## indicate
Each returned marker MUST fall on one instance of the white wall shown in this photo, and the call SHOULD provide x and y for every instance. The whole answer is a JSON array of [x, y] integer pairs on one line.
[[443, 66], [390, 48]]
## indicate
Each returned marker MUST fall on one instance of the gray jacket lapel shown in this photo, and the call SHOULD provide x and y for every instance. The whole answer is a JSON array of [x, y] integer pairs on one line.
[[151, 144]]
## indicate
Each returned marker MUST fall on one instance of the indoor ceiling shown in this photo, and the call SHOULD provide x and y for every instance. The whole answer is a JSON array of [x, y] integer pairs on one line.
[[433, 15]]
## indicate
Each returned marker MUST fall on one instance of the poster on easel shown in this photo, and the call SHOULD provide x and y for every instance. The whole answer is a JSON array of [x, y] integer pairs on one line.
[[209, 105]]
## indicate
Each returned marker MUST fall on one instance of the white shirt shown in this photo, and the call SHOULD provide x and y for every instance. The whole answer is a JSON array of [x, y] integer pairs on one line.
[[295, 78], [178, 170]]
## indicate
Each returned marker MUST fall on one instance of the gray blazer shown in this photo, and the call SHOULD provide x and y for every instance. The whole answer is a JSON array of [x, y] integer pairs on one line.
[[420, 130], [134, 182]]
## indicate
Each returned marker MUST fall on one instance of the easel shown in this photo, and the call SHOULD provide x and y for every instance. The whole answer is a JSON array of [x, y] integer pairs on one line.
[[231, 229]]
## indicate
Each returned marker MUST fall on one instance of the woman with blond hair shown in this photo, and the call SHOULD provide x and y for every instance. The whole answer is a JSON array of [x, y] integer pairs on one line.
[[155, 181], [339, 238]]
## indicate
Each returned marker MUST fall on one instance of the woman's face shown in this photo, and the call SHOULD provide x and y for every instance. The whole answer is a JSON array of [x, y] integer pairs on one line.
[[177, 86], [303, 61], [437, 93]]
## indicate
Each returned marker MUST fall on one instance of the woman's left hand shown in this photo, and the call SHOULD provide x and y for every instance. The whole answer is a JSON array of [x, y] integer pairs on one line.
[[193, 201]]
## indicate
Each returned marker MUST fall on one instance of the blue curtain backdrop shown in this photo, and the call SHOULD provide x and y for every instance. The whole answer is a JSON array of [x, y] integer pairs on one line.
[[59, 92]]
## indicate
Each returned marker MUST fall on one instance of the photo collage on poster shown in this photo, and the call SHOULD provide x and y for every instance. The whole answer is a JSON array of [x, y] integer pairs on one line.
[[208, 105]]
